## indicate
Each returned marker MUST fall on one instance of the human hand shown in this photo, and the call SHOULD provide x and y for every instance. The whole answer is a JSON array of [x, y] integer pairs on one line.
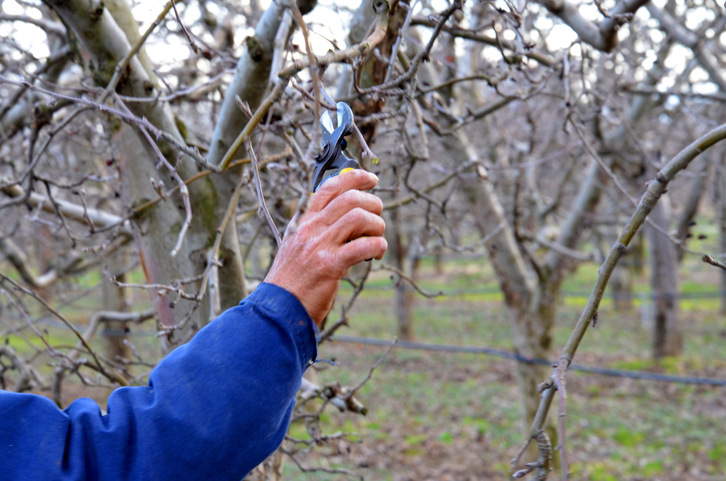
[[342, 227]]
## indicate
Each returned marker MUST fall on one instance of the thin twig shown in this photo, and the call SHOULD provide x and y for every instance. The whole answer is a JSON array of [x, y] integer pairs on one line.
[[260, 195], [561, 385], [710, 260], [130, 118], [423, 54], [316, 144], [408, 279], [114, 377], [399, 39], [192, 44], [121, 66], [373, 368], [343, 321]]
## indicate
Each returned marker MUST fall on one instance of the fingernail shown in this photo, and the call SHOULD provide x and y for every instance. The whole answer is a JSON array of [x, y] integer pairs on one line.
[[373, 175]]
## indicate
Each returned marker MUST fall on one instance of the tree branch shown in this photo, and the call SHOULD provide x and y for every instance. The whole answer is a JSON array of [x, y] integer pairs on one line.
[[603, 36], [656, 188]]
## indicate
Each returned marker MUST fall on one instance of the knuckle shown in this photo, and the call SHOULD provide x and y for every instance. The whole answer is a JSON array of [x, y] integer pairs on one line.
[[378, 202], [325, 262], [304, 230], [368, 199], [380, 225], [352, 196], [322, 257], [327, 191], [333, 264], [359, 215], [371, 202]]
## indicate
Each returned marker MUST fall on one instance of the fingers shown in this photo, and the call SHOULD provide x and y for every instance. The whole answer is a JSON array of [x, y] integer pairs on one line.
[[356, 223], [348, 201], [361, 249], [357, 179]]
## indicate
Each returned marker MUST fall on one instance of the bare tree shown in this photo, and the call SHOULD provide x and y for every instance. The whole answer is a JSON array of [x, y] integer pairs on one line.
[[493, 132]]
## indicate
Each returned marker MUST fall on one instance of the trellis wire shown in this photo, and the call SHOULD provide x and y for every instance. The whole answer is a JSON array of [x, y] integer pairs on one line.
[[649, 376]]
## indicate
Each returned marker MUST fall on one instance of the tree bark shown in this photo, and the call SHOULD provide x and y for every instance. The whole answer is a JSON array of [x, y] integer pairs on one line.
[[666, 335], [531, 309], [155, 231], [690, 206], [721, 208], [398, 251], [621, 281], [250, 84], [106, 44], [115, 299], [121, 12]]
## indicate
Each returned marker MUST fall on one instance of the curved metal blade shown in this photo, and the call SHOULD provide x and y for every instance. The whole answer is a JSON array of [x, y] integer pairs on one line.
[[345, 114], [327, 124]]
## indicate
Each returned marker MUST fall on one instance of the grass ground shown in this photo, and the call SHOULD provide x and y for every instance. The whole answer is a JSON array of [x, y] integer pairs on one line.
[[446, 416], [455, 417]]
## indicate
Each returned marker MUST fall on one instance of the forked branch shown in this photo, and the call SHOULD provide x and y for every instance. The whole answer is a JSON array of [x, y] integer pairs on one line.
[[656, 188]]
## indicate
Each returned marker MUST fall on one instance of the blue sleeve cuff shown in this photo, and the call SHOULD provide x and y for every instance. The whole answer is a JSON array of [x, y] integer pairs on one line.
[[284, 306]]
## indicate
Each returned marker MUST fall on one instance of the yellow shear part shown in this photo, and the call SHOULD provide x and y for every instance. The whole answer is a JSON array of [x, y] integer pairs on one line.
[[347, 169]]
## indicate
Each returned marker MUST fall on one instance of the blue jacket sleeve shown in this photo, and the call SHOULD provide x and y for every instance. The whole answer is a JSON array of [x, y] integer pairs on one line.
[[214, 408]]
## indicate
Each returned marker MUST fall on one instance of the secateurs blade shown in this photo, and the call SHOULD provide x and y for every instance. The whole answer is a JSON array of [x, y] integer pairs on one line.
[[332, 161]]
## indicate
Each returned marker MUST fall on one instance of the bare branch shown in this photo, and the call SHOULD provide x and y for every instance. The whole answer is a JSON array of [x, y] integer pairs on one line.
[[408, 279], [47, 25], [68, 209], [378, 32], [710, 260], [656, 188], [603, 36], [260, 194]]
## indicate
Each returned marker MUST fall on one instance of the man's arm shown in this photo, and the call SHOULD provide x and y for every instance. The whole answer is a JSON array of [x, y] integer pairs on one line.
[[219, 405]]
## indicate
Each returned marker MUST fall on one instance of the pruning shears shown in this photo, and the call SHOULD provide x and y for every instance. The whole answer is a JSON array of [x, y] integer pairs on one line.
[[332, 161]]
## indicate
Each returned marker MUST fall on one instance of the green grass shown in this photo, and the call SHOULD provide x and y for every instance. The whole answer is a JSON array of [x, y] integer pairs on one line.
[[424, 403], [433, 415]]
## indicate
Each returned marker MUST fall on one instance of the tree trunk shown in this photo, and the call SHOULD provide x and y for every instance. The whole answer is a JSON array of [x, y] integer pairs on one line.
[[636, 255], [666, 336], [115, 299], [532, 339], [398, 252], [721, 206], [250, 83], [531, 312], [690, 206], [106, 44], [155, 231], [530, 330], [621, 284], [621, 281]]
